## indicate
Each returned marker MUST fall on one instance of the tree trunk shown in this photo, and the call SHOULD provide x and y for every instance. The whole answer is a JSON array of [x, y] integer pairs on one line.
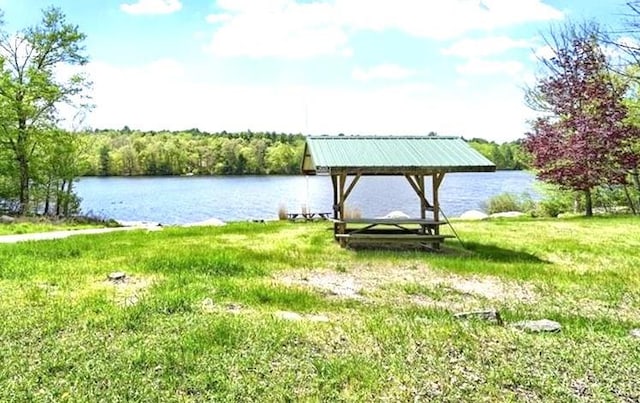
[[22, 157], [23, 199], [588, 203], [59, 198], [67, 199], [635, 176], [629, 200], [47, 198]]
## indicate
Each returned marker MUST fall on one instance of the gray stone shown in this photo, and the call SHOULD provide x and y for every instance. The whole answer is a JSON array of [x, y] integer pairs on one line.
[[212, 222], [490, 315], [317, 318], [286, 315], [635, 333], [396, 214], [507, 214], [117, 276], [473, 215], [5, 219], [208, 305], [538, 326]]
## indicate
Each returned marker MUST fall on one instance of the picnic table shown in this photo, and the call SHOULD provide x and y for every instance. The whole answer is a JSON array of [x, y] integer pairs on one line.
[[390, 230]]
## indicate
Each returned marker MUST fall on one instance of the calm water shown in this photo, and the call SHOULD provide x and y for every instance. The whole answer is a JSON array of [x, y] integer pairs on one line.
[[179, 200]]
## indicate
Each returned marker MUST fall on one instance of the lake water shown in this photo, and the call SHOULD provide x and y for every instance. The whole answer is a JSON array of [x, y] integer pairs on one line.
[[179, 200]]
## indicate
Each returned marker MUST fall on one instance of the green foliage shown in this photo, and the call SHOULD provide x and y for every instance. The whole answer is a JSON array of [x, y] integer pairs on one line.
[[131, 153], [606, 200], [509, 155], [509, 202], [38, 162]]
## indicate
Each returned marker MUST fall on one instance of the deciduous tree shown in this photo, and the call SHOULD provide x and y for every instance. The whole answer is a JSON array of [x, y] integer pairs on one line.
[[31, 90], [583, 140]]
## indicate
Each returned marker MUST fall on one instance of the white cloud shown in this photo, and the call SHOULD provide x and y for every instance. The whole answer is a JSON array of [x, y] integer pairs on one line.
[[545, 52], [287, 28], [442, 19], [480, 67], [279, 28], [152, 7], [163, 95], [482, 47], [382, 72]]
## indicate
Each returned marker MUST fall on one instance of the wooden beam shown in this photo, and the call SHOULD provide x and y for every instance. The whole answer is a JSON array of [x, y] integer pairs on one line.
[[418, 190], [437, 180], [334, 183], [423, 199], [439, 176], [351, 185], [340, 228]]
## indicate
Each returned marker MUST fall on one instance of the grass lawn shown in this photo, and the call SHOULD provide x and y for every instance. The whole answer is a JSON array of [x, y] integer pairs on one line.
[[277, 312], [33, 225]]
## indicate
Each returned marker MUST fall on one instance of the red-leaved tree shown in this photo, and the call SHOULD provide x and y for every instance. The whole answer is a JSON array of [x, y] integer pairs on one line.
[[582, 141]]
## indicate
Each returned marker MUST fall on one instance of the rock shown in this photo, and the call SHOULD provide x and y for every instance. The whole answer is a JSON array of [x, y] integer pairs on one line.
[[5, 219], [139, 224], [207, 305], [117, 276], [538, 326], [234, 308], [635, 333], [317, 318], [293, 316], [286, 315], [212, 222], [490, 315], [473, 215], [507, 214], [131, 300], [396, 214]]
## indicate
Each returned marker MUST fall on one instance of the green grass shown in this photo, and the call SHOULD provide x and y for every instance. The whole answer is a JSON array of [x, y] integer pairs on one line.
[[198, 318], [33, 225]]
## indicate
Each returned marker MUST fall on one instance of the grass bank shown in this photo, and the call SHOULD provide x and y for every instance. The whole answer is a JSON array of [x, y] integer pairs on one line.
[[30, 225], [277, 311]]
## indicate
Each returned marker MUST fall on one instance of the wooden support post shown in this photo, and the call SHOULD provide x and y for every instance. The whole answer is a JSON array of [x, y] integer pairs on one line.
[[342, 178], [334, 183], [437, 180], [423, 200], [418, 186]]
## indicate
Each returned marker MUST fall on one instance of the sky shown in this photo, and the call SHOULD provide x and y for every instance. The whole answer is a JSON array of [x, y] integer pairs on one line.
[[358, 67]]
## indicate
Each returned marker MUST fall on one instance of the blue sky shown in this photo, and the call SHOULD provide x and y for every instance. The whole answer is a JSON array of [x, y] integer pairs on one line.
[[457, 67]]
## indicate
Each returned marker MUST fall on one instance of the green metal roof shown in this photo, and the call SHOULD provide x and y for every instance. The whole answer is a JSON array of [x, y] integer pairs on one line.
[[391, 155]]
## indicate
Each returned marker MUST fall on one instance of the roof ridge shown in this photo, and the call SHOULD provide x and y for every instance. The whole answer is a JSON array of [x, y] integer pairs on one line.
[[383, 137]]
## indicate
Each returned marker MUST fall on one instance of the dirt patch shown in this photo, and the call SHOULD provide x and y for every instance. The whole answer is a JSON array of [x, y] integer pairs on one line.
[[209, 306], [491, 288], [415, 284], [338, 285], [128, 290]]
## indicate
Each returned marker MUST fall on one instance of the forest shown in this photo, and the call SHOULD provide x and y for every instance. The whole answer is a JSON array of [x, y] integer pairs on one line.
[[129, 152]]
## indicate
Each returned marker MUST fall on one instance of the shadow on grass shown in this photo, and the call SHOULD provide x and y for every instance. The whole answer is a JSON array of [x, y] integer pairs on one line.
[[495, 253], [473, 250]]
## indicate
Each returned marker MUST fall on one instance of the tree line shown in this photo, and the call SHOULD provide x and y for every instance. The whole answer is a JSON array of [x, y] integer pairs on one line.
[[132, 153], [129, 152]]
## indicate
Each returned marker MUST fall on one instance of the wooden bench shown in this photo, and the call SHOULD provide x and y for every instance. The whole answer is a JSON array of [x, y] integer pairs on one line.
[[389, 231], [395, 237]]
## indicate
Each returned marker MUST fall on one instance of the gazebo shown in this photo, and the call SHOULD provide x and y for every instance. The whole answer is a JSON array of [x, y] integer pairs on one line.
[[418, 158]]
